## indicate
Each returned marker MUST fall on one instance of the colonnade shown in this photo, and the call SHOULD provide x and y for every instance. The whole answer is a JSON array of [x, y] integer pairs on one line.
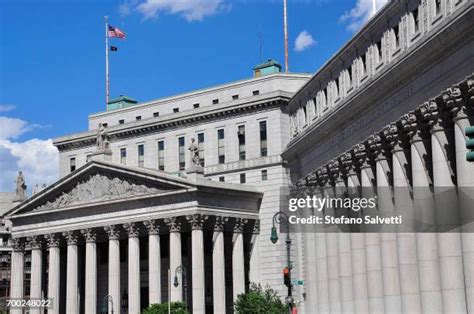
[[417, 168], [134, 232]]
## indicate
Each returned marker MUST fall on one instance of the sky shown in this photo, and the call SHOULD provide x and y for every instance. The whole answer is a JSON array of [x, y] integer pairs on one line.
[[52, 59]]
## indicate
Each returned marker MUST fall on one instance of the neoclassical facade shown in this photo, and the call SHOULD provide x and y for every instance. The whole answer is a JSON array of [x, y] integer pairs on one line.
[[109, 229]]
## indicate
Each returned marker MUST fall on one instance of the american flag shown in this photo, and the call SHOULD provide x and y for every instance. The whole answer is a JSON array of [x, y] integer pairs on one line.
[[115, 32]]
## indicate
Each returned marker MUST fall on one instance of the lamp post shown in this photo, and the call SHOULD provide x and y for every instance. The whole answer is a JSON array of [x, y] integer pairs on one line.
[[105, 304], [277, 219], [181, 270]]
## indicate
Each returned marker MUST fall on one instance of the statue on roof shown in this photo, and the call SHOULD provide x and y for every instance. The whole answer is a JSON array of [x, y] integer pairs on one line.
[[194, 149], [102, 138], [20, 186]]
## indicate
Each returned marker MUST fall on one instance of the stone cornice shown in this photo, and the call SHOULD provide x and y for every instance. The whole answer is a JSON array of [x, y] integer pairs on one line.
[[271, 100]]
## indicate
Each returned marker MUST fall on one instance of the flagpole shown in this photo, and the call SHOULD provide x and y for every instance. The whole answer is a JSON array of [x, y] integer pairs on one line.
[[107, 86], [285, 27]]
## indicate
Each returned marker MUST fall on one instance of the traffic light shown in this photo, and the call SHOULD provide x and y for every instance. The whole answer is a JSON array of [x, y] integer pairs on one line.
[[287, 277], [470, 143]]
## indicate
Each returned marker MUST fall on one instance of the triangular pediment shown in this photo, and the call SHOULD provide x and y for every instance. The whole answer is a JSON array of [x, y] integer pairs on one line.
[[101, 182]]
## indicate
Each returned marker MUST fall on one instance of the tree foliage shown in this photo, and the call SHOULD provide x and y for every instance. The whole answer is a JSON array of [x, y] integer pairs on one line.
[[176, 308], [259, 300]]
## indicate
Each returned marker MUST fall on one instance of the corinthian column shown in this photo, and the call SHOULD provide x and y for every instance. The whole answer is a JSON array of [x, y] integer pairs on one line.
[[133, 267], [90, 235], [388, 237], [36, 245], [461, 104], [218, 265], [174, 226], [114, 266], [17, 272], [72, 291], [426, 241], [54, 272], [154, 261], [447, 207], [238, 266], [407, 257], [197, 238]]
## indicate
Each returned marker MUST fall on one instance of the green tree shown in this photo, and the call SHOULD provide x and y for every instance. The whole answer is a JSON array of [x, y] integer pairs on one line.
[[259, 300], [176, 308]]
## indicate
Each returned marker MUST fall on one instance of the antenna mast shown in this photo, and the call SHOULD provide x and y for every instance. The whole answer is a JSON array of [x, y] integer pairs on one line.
[[285, 26]]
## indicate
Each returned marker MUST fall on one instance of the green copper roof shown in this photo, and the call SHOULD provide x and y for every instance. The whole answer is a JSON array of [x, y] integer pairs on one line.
[[123, 98], [121, 102], [269, 63]]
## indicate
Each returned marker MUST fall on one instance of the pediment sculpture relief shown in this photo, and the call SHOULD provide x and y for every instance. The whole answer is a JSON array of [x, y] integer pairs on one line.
[[99, 188]]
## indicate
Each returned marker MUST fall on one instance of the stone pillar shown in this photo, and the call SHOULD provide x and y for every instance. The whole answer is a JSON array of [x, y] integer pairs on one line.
[[198, 280], [154, 261], [54, 272], [388, 236], [133, 267], [447, 205], [218, 265], [426, 241], [357, 240], [72, 290], [90, 235], [17, 272], [238, 266], [113, 233], [364, 155], [174, 226], [254, 271], [461, 105], [36, 245], [407, 257]]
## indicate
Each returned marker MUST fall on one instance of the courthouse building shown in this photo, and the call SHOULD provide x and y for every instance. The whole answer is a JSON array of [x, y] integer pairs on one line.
[[388, 110]]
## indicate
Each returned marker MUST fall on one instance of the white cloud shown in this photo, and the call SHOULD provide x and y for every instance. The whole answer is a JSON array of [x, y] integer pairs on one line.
[[38, 159], [359, 14], [304, 41], [192, 10], [5, 108]]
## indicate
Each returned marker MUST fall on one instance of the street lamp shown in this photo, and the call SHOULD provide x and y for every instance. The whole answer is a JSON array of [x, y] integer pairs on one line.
[[181, 270], [105, 304], [277, 219]]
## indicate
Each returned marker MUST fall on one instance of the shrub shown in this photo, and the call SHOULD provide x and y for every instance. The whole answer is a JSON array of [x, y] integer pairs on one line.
[[176, 308], [259, 300]]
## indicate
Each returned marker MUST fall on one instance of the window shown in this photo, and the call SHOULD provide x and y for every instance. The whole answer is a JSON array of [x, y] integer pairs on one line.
[[416, 20], [156, 114], [161, 155], [220, 146], [264, 175], [201, 148], [349, 73], [105, 125], [338, 87], [72, 164], [196, 106], [222, 179], [364, 64], [263, 138], [215, 101], [305, 115], [396, 31], [175, 110], [123, 156], [241, 137], [379, 51], [181, 152], [243, 179], [88, 158], [235, 97], [141, 155], [122, 121], [437, 7], [256, 92]]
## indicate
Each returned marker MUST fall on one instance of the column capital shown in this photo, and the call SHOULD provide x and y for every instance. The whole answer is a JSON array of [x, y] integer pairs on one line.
[[89, 234], [152, 226], [197, 221], [18, 244], [256, 227], [377, 146], [239, 225], [132, 229], [52, 240], [454, 100], [220, 222], [470, 89], [113, 232], [35, 242], [334, 171], [434, 111], [322, 174], [71, 237], [173, 224]]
